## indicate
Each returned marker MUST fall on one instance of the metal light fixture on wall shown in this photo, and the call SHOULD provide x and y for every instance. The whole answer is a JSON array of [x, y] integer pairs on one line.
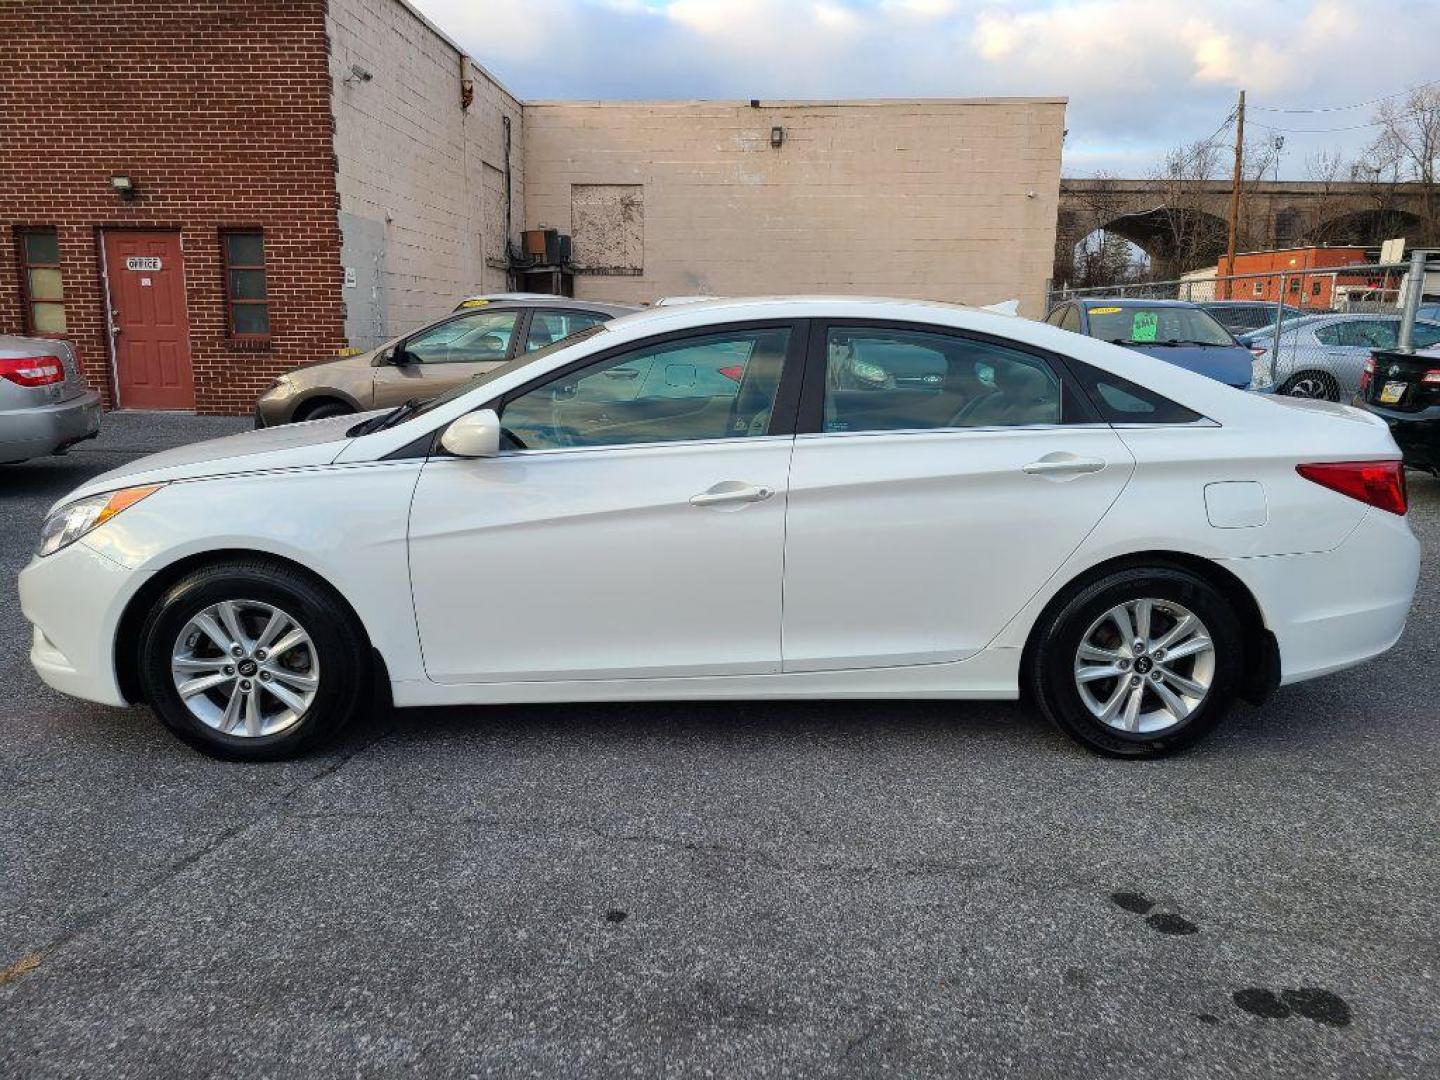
[[777, 137], [123, 186]]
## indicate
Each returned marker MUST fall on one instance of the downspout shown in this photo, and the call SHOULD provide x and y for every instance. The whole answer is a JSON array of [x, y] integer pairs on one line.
[[509, 188]]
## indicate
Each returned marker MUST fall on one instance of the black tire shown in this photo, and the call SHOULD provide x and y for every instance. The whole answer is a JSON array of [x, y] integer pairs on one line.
[[1319, 385], [339, 643], [323, 409], [1051, 670]]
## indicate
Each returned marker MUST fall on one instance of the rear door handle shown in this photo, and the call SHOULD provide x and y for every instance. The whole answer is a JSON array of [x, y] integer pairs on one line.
[[1062, 464], [731, 491]]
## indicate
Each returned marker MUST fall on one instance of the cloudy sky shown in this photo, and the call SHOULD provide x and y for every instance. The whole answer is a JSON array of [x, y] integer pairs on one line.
[[1141, 75]]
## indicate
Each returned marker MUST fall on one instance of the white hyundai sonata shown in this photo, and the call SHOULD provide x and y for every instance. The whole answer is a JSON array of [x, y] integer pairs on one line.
[[766, 498]]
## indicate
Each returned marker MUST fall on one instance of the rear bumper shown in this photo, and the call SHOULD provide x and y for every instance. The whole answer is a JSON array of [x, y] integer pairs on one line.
[[49, 429], [1416, 433], [1334, 609]]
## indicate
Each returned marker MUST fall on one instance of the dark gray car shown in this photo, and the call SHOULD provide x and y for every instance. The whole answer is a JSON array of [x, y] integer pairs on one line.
[[430, 360], [45, 404]]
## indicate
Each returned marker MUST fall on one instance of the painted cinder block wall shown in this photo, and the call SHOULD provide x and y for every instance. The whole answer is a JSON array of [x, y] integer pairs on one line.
[[221, 113], [940, 199], [421, 179]]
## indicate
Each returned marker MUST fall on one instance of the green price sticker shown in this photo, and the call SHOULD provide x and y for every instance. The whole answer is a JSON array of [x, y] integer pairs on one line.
[[1143, 327]]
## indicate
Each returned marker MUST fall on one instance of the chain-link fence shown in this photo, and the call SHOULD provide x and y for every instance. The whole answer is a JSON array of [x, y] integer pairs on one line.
[[1314, 327]]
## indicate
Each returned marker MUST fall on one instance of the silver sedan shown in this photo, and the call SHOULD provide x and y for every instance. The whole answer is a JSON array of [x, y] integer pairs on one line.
[[1322, 356], [45, 405]]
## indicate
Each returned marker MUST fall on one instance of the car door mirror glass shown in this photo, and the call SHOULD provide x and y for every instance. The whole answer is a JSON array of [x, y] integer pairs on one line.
[[474, 435]]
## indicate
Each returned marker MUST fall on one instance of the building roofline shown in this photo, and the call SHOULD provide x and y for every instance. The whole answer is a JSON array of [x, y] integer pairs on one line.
[[786, 103]]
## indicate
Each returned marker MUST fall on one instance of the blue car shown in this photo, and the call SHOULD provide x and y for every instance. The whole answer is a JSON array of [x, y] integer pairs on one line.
[[1175, 331]]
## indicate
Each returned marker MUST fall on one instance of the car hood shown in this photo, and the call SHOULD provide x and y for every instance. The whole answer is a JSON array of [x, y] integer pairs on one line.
[[1229, 364], [292, 446]]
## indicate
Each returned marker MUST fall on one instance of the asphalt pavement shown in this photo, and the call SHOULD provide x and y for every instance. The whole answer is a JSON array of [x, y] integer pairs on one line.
[[754, 889]]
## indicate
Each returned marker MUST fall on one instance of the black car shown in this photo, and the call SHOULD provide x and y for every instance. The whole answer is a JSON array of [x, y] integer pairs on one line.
[[1243, 316], [1403, 389]]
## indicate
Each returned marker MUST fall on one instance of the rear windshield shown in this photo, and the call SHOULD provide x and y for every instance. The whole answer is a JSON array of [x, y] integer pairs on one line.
[[1139, 324]]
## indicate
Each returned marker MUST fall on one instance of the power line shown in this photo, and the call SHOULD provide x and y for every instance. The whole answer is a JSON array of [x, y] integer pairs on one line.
[[1318, 131], [1345, 108], [1223, 125]]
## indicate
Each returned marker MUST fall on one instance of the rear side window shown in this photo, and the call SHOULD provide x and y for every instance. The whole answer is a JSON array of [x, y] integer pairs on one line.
[[1120, 401], [891, 379]]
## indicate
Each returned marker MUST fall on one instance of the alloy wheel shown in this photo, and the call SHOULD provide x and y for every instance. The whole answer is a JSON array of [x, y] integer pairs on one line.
[[1145, 665], [245, 668]]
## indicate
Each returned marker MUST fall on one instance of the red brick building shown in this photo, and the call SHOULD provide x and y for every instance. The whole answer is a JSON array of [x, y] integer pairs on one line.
[[218, 117], [168, 191]]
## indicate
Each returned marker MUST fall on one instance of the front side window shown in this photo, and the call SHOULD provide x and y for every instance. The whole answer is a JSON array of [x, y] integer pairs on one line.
[[484, 335], [246, 293], [548, 327], [44, 286], [717, 386], [879, 379], [1071, 319]]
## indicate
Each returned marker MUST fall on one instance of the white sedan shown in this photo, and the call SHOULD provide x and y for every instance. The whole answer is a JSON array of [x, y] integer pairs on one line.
[[765, 498]]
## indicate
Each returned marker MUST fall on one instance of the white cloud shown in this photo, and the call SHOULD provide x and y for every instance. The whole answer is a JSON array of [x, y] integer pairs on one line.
[[1141, 75]]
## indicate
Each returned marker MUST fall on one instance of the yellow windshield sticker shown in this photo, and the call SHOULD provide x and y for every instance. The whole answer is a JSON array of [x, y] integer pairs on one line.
[[1144, 325], [474, 303], [1103, 310]]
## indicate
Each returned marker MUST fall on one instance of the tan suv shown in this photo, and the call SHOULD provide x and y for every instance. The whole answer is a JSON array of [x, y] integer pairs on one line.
[[425, 362]]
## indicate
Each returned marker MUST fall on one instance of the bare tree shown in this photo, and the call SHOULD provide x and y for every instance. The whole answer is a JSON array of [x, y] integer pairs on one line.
[[1190, 235], [1408, 149]]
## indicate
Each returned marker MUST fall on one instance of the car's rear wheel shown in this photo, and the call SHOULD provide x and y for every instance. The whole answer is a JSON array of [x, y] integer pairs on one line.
[[252, 660], [1320, 385], [1141, 663]]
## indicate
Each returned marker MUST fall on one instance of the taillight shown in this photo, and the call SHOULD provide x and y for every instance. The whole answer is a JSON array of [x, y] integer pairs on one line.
[[1431, 377], [32, 370], [1367, 375], [1258, 350], [1379, 483], [735, 372]]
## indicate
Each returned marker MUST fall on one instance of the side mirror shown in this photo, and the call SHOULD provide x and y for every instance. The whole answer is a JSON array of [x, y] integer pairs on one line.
[[474, 435]]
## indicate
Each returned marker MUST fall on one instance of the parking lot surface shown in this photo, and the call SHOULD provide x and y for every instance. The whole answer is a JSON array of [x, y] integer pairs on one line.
[[753, 889]]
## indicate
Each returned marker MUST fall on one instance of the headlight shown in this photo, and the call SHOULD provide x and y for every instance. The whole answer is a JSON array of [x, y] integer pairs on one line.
[[71, 522], [1262, 369]]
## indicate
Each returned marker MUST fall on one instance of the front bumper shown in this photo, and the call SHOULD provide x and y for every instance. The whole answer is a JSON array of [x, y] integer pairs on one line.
[[49, 429], [1416, 433], [74, 600]]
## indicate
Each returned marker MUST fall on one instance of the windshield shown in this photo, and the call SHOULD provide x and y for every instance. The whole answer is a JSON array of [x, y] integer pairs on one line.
[[1140, 324], [524, 360]]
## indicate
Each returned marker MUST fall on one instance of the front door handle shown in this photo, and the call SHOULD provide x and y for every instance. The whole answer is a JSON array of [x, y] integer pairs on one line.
[[1062, 464], [731, 491]]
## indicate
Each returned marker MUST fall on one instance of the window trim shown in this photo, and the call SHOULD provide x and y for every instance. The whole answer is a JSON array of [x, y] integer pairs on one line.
[[811, 417], [782, 414], [27, 300], [231, 301]]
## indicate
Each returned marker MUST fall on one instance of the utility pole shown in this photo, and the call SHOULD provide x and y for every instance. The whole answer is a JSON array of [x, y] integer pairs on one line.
[[1235, 192]]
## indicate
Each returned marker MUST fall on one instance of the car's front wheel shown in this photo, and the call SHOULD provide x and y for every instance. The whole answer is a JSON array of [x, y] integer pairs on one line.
[[1141, 663], [252, 660]]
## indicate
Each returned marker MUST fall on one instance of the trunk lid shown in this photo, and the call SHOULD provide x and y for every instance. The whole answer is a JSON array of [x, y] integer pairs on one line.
[[1399, 381]]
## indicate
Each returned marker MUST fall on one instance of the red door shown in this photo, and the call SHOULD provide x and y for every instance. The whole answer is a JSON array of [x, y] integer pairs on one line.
[[152, 334]]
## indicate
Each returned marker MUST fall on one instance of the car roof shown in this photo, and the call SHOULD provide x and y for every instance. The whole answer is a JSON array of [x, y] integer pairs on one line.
[[1132, 301], [544, 300]]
